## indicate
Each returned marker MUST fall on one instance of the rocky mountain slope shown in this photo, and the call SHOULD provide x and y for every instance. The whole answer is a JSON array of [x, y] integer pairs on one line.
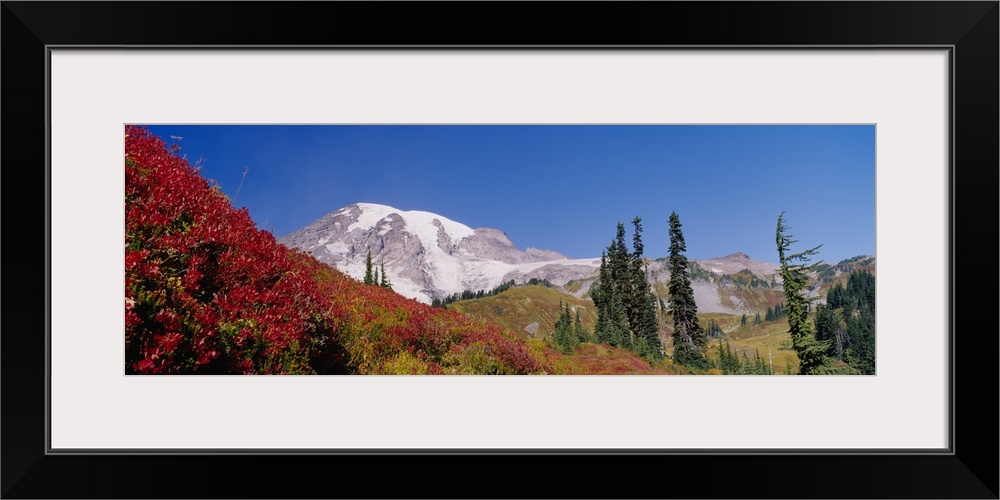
[[428, 256]]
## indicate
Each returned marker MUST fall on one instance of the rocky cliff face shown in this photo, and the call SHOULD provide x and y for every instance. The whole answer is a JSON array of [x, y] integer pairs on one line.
[[736, 262]]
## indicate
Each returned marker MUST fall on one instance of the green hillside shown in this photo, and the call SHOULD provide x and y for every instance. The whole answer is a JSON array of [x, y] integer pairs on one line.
[[522, 306], [770, 338]]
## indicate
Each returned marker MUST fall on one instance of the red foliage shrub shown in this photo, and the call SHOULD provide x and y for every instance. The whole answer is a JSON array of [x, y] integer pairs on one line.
[[207, 292]]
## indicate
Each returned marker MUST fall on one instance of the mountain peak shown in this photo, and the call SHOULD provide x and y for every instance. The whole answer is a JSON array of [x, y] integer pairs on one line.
[[425, 254], [371, 206], [737, 256], [425, 225]]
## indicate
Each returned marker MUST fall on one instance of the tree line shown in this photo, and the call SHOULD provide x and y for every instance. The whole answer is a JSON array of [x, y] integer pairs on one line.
[[568, 335], [756, 319], [847, 322], [373, 278], [775, 313], [626, 306], [714, 330], [469, 294], [730, 363], [772, 314], [627, 310], [843, 329]]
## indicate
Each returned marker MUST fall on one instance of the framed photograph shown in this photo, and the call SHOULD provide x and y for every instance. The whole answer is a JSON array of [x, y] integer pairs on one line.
[[911, 85]]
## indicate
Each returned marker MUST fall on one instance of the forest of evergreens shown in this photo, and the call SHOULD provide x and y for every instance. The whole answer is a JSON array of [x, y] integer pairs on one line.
[[833, 338]]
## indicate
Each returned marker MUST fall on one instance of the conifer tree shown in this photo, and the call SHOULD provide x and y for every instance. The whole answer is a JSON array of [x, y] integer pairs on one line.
[[581, 333], [618, 333], [729, 362], [689, 338], [643, 308], [620, 284], [609, 293], [828, 329], [835, 297], [369, 278], [723, 362], [618, 258], [384, 282], [564, 335], [559, 334], [626, 305], [794, 278], [760, 368], [856, 320], [572, 334], [600, 293]]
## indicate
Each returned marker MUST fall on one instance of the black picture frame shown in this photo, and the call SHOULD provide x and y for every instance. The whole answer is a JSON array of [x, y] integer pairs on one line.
[[970, 470]]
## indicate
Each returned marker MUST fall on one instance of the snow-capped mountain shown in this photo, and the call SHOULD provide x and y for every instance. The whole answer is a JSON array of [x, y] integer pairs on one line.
[[426, 255]]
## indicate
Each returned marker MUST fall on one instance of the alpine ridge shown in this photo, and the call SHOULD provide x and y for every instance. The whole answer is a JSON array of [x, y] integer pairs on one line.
[[426, 255]]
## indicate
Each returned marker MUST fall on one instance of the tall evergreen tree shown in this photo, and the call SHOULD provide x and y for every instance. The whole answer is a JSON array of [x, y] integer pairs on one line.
[[835, 297], [760, 366], [369, 277], [564, 336], [794, 276], [618, 331], [689, 338], [859, 316], [636, 279], [828, 330], [729, 362], [626, 305], [612, 323], [861, 337], [619, 261], [600, 294], [384, 282], [581, 333], [643, 308], [609, 293]]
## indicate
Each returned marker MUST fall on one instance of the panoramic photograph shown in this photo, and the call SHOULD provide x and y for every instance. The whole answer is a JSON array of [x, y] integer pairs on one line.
[[500, 249]]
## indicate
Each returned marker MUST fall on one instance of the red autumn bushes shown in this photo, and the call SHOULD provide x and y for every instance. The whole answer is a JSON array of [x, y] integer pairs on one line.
[[390, 334], [600, 359], [382, 332], [207, 292]]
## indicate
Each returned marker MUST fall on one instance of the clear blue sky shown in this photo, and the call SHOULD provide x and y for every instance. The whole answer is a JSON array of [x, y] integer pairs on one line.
[[562, 188]]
